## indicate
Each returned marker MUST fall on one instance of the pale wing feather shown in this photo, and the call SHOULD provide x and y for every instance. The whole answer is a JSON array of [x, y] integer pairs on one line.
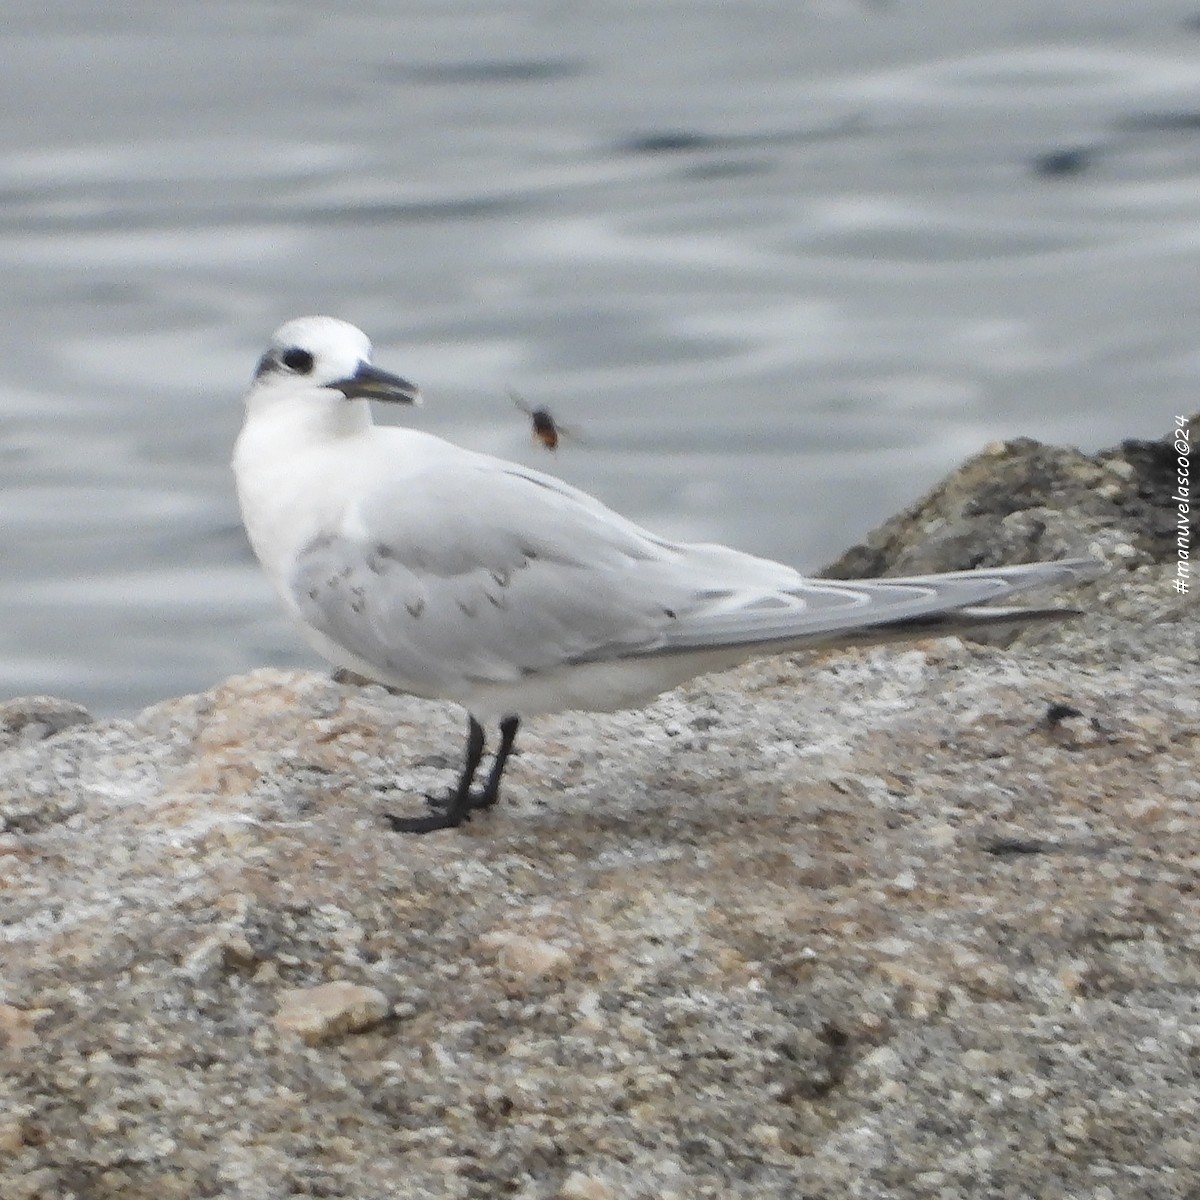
[[528, 575], [819, 609]]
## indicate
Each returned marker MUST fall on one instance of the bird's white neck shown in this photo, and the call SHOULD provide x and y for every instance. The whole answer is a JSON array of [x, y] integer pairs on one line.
[[274, 481], [319, 415]]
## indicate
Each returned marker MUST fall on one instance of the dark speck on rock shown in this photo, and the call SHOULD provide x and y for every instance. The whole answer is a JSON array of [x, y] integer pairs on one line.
[[1057, 713], [1012, 847]]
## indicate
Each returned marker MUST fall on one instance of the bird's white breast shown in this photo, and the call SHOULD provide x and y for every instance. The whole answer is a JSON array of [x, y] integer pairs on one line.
[[291, 486]]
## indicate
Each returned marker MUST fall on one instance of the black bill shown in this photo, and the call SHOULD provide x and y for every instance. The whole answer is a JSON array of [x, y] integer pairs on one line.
[[372, 383]]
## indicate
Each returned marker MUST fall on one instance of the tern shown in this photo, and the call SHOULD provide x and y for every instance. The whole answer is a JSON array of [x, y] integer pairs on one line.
[[458, 576]]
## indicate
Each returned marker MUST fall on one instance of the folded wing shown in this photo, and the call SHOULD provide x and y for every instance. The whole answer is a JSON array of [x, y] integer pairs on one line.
[[491, 573]]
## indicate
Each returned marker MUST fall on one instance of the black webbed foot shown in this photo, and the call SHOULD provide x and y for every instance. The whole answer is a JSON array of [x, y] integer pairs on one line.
[[429, 824], [455, 808]]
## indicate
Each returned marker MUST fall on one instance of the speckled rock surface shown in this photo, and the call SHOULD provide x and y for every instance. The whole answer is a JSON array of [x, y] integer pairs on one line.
[[912, 921]]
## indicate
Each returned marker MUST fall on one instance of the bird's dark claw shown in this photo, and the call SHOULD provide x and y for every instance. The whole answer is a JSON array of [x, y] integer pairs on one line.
[[429, 824]]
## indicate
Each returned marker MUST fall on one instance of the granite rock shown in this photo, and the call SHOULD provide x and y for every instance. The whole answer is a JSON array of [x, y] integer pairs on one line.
[[915, 921]]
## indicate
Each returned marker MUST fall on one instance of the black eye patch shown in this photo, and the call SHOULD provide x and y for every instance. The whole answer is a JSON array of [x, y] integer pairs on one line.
[[297, 360]]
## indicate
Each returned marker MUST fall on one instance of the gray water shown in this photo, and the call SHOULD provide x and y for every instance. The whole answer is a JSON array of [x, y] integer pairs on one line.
[[781, 264]]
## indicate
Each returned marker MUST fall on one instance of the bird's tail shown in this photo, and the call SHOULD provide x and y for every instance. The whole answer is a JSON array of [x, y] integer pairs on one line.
[[944, 624], [835, 612]]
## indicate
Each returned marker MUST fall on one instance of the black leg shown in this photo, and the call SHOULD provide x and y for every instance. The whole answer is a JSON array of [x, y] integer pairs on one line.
[[491, 789], [457, 807]]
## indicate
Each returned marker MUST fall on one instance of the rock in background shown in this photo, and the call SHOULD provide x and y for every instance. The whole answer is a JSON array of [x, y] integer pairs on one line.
[[903, 922]]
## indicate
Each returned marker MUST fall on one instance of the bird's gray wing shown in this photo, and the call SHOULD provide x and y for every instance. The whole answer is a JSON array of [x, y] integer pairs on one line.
[[485, 573], [828, 611], [488, 572]]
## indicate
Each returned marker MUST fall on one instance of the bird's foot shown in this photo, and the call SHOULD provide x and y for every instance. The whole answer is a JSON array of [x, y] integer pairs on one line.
[[449, 812], [435, 821], [481, 798]]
